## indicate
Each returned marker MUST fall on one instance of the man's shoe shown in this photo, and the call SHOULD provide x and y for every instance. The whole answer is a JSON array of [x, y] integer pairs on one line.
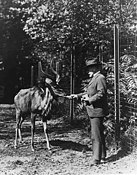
[[95, 162]]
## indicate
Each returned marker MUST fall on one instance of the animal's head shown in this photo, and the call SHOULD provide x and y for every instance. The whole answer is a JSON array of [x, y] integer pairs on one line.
[[52, 80], [57, 90], [55, 77]]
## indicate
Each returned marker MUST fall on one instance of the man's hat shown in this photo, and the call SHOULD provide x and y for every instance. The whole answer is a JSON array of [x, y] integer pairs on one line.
[[94, 61]]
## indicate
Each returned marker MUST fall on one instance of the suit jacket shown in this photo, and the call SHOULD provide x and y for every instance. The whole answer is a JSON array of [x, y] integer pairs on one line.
[[97, 93]]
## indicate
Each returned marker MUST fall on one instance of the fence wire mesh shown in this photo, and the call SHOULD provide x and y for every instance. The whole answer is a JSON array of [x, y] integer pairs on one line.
[[128, 94]]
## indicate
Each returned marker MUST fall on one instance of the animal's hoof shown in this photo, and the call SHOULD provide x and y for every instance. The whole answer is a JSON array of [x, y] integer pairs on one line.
[[32, 149], [50, 151], [20, 141], [15, 145]]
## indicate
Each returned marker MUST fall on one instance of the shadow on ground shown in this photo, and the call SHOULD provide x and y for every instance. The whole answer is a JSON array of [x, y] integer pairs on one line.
[[125, 148], [69, 145]]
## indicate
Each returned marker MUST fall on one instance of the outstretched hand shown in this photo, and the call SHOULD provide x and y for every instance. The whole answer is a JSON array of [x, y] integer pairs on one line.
[[72, 96], [69, 97]]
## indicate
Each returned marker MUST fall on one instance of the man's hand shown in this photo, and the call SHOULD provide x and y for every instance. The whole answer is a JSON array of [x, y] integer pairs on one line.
[[69, 97], [72, 96], [85, 98]]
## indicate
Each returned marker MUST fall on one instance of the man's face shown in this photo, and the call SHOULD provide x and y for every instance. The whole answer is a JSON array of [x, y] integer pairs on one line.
[[92, 70]]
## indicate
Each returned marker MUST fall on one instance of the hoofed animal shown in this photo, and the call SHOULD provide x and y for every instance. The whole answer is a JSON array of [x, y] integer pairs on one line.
[[34, 101]]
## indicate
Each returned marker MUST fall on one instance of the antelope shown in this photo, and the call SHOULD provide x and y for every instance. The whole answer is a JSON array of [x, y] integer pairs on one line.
[[34, 101]]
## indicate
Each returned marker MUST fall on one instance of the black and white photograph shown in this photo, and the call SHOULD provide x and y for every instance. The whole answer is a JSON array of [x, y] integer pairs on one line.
[[68, 87]]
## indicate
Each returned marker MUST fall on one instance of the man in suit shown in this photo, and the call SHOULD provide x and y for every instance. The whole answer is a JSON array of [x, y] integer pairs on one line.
[[95, 98]]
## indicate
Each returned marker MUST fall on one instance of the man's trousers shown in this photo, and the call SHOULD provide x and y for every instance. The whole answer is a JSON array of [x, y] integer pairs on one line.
[[98, 138]]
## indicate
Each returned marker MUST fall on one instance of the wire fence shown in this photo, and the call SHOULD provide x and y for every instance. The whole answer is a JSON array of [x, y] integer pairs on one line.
[[128, 93], [130, 115]]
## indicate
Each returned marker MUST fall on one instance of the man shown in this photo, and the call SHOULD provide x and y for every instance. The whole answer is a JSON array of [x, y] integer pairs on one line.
[[95, 98]]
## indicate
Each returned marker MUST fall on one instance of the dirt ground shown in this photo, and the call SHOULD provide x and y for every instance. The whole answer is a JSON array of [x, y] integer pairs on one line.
[[70, 155]]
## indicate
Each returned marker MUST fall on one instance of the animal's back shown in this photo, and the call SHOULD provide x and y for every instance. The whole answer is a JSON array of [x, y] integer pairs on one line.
[[22, 99]]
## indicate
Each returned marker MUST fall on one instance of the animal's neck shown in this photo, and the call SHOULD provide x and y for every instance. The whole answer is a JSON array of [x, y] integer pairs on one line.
[[46, 99]]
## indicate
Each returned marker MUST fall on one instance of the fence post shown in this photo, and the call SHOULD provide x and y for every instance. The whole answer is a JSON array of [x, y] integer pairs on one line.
[[32, 75], [39, 70], [72, 82], [116, 85]]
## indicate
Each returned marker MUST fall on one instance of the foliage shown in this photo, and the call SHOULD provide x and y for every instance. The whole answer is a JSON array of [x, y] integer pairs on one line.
[[128, 95], [86, 27], [15, 49], [57, 25], [44, 29], [55, 22]]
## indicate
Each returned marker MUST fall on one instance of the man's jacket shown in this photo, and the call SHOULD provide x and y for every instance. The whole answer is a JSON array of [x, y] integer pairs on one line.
[[96, 90]]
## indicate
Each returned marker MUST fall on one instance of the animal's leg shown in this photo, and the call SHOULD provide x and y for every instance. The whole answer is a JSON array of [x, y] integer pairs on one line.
[[46, 134], [19, 129], [32, 130], [18, 118]]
